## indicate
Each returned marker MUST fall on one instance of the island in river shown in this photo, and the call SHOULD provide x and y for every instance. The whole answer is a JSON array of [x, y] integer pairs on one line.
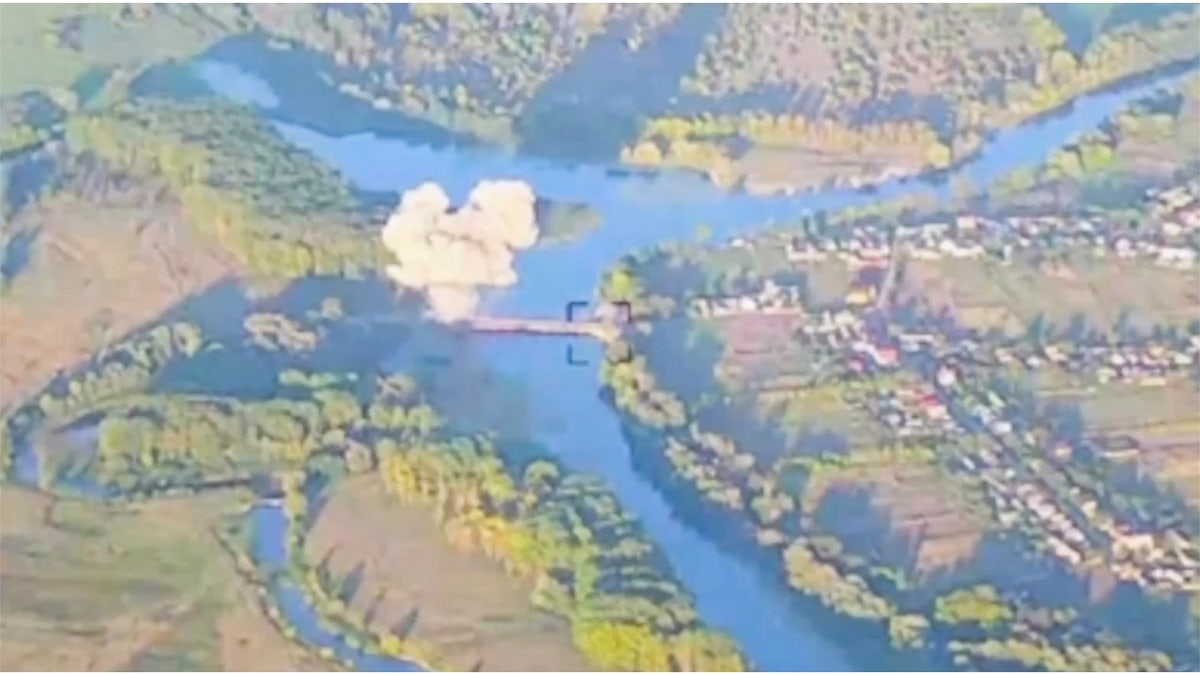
[[265, 371]]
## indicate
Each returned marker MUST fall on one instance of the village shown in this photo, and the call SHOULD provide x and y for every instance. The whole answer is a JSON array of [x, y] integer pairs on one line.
[[1168, 237], [1039, 476]]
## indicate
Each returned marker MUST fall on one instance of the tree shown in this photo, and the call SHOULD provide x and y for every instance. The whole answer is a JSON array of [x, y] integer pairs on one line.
[[622, 646], [908, 631], [979, 604], [622, 286]]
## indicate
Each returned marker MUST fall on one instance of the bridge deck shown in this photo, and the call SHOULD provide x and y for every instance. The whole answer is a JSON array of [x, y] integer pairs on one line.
[[599, 330]]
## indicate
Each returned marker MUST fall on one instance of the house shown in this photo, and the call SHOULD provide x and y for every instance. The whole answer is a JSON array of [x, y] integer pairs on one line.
[[1177, 257], [1127, 545], [933, 407], [947, 377], [886, 356], [858, 297]]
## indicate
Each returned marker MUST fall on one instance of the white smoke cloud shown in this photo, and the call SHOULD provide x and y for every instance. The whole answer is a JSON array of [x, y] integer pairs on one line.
[[451, 255]]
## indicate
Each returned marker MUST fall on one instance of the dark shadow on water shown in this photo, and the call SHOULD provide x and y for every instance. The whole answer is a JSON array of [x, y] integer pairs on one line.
[[27, 179], [295, 78], [16, 253], [590, 109]]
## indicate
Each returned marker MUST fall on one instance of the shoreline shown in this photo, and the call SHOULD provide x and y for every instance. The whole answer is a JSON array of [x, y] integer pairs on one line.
[[716, 525], [422, 133]]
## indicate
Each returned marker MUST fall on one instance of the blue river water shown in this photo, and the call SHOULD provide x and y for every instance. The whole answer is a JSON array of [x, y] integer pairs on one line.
[[270, 528], [568, 416]]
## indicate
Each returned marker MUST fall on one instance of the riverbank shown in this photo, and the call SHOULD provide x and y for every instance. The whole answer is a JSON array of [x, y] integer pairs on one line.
[[274, 69], [252, 547], [457, 602], [872, 648]]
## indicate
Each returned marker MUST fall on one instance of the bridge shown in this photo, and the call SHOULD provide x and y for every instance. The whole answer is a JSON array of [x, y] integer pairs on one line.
[[599, 330], [604, 331]]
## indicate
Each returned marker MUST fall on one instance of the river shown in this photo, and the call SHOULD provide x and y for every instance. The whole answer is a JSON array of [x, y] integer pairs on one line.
[[638, 211]]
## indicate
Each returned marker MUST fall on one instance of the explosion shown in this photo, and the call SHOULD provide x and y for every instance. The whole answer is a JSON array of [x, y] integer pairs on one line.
[[450, 255]]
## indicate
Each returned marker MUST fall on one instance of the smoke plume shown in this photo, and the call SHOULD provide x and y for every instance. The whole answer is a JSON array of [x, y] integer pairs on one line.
[[450, 255]]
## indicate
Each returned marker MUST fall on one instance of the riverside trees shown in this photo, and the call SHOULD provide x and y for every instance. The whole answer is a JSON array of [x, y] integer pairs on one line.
[[174, 425], [276, 208]]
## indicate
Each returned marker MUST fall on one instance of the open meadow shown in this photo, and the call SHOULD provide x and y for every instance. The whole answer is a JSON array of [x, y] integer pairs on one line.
[[412, 581], [1156, 428], [85, 271], [986, 294], [87, 586]]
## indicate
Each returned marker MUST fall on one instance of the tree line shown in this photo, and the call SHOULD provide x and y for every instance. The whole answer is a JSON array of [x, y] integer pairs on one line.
[[275, 207]]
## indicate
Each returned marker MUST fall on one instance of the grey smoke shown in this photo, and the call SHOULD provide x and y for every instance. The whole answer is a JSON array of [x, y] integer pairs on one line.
[[450, 255]]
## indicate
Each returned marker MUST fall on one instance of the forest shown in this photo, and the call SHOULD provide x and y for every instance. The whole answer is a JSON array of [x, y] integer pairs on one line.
[[277, 209], [170, 419]]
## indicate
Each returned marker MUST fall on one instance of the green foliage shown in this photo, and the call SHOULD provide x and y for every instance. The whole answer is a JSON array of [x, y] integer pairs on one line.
[[849, 594], [472, 68], [120, 370], [7, 449], [1036, 653], [770, 506], [16, 137], [587, 557], [617, 646], [47, 47], [621, 285], [634, 389], [274, 206], [980, 605], [908, 631]]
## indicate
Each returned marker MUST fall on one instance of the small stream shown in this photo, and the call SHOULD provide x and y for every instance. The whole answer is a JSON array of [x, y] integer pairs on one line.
[[269, 536], [270, 527]]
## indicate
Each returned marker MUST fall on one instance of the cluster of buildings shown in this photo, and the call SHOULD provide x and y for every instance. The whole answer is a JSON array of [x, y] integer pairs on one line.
[[1169, 238], [1148, 363], [913, 411], [1030, 504], [1024, 473], [1027, 485], [772, 298], [1164, 561], [1033, 481]]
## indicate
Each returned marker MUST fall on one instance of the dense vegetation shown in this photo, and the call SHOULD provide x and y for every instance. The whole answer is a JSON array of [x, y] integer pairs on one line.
[[172, 417], [275, 207], [588, 559], [396, 56], [834, 78]]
